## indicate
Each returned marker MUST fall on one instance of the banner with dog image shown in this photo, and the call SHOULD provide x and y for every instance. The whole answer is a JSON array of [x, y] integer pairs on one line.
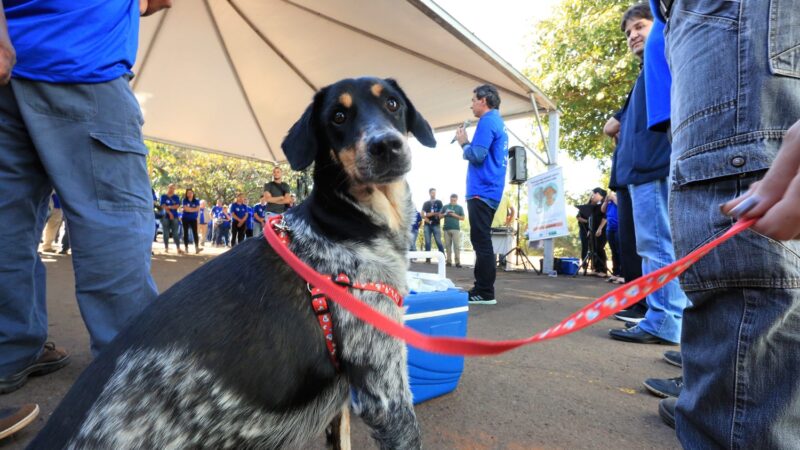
[[547, 216]]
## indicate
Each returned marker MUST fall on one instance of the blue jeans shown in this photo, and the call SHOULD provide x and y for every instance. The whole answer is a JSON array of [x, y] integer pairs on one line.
[[85, 141], [736, 89], [436, 231], [171, 226], [654, 245]]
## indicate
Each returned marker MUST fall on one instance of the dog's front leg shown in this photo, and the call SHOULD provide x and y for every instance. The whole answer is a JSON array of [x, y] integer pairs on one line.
[[383, 399]]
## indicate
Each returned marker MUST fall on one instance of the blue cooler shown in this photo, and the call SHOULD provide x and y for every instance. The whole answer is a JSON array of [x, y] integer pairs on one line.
[[437, 314], [569, 266]]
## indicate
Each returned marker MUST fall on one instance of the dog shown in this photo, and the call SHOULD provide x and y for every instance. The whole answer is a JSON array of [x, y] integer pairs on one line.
[[232, 356]]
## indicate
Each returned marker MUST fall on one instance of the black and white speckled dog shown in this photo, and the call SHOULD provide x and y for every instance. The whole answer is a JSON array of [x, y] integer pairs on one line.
[[232, 356]]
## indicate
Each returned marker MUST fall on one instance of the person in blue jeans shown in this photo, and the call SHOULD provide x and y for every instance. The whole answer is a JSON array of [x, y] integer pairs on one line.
[[486, 176], [431, 217], [643, 165], [171, 221], [224, 227], [239, 215], [70, 122], [415, 230], [191, 211], [735, 92]]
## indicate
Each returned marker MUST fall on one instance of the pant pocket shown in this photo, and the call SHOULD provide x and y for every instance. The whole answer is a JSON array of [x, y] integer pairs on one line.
[[784, 38], [119, 165]]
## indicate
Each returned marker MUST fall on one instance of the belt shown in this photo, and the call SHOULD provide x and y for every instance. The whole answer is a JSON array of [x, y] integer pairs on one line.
[[665, 6]]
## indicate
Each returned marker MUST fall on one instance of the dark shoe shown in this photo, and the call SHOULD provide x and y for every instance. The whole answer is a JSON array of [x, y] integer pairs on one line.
[[631, 324], [674, 358], [475, 299], [626, 315], [51, 359], [458, 265], [427, 260], [448, 264], [666, 409], [15, 418], [638, 336], [664, 387]]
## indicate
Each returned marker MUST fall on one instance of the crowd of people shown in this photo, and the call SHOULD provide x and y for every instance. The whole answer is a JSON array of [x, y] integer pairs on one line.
[[716, 104]]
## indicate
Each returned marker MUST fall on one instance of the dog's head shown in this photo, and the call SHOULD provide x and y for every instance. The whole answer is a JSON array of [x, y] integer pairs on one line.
[[361, 126]]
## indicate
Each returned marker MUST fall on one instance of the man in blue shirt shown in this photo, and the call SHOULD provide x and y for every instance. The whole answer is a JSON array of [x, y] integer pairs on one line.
[[170, 222], [215, 232], [249, 231], [239, 217], [486, 175], [259, 217], [642, 163], [71, 123]]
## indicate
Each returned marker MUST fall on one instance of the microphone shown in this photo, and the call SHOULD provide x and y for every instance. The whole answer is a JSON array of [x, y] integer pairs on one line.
[[464, 125]]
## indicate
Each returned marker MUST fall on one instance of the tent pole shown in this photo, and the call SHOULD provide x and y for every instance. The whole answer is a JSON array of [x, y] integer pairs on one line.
[[552, 153]]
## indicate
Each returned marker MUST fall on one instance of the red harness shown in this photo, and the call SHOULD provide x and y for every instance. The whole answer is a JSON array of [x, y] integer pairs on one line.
[[319, 300]]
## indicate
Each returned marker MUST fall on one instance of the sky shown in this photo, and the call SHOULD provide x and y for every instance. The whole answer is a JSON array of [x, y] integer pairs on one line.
[[505, 26]]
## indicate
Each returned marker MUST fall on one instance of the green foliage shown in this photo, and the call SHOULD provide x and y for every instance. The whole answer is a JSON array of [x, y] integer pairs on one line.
[[211, 176], [580, 58]]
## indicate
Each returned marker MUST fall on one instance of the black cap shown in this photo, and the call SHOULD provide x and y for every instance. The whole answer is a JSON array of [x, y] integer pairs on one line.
[[600, 191]]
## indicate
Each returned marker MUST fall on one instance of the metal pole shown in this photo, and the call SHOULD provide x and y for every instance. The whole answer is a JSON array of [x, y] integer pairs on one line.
[[552, 153]]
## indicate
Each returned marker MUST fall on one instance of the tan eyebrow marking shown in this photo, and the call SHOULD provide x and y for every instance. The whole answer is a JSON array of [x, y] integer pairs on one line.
[[346, 100], [376, 89]]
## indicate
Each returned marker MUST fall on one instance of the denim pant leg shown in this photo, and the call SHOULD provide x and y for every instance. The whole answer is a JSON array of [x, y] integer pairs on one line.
[[480, 222], [88, 139], [654, 244], [437, 236], [24, 192], [426, 234]]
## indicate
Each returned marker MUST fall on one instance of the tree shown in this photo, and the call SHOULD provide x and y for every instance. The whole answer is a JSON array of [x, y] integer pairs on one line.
[[211, 176], [581, 59]]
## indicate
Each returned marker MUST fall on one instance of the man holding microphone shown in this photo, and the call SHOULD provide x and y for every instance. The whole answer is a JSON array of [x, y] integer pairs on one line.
[[487, 154]]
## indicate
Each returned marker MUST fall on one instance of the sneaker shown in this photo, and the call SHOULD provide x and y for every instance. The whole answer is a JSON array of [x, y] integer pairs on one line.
[[476, 299], [666, 409], [664, 387], [638, 336], [15, 418], [51, 359], [627, 315], [673, 357]]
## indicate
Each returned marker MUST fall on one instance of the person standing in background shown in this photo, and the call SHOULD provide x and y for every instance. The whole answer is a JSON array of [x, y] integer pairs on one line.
[[191, 209], [170, 202], [238, 211], [609, 208], [453, 214], [277, 193], [248, 233], [259, 216], [202, 222], [431, 218], [53, 224]]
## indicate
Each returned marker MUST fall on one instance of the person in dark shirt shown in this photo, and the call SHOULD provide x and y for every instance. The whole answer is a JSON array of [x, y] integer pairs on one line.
[[609, 207], [277, 193], [598, 232], [431, 216], [239, 217]]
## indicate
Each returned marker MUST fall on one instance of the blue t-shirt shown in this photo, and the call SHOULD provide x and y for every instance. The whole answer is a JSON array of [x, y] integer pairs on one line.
[[642, 155], [202, 217], [73, 41], [249, 218], [226, 220], [167, 200], [238, 210], [487, 178], [215, 211], [260, 210], [658, 79], [194, 203], [612, 222]]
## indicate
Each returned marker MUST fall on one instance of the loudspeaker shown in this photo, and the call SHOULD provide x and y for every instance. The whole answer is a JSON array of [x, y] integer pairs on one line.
[[517, 165]]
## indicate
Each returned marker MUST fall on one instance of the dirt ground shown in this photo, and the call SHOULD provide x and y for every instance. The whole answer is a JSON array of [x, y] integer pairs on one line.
[[582, 391]]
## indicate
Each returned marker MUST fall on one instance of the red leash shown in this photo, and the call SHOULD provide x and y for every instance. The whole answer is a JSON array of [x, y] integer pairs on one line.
[[610, 303]]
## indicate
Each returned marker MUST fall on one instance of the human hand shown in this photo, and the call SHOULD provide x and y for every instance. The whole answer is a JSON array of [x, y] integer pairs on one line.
[[461, 136], [8, 57], [774, 198], [598, 233], [148, 7]]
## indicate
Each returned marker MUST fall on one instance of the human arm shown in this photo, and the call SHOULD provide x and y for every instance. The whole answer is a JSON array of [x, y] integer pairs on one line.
[[148, 7], [475, 152], [611, 128], [600, 229], [510, 215], [774, 198]]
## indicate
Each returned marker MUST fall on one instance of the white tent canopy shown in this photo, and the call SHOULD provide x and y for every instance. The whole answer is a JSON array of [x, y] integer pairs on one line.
[[231, 76]]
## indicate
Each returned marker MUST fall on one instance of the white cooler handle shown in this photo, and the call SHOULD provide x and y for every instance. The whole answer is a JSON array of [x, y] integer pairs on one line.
[[440, 259]]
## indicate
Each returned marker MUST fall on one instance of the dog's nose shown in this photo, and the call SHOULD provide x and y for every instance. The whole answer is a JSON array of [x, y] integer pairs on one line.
[[385, 145]]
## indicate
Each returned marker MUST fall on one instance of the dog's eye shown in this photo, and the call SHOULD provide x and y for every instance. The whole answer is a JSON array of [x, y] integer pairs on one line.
[[339, 117], [392, 104]]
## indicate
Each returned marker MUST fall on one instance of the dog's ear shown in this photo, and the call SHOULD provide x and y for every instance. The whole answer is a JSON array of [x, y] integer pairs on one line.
[[300, 144], [416, 124]]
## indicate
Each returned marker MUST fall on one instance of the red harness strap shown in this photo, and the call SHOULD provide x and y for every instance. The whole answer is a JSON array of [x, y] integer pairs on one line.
[[319, 300]]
